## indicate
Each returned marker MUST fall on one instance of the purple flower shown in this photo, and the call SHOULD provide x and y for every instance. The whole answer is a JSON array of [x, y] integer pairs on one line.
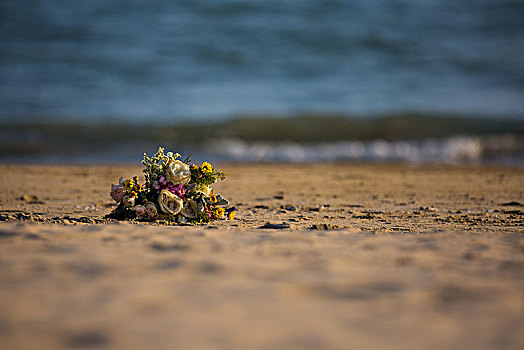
[[161, 184], [178, 190]]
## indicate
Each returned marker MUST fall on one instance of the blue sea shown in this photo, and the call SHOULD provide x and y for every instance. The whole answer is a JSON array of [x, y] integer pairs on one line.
[[173, 63]]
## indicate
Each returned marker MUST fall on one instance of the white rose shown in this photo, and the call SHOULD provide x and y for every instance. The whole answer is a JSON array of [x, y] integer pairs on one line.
[[128, 200], [151, 210], [178, 172], [190, 209], [169, 203]]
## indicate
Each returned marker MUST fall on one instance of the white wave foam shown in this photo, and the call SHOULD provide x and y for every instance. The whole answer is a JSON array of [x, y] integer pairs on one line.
[[446, 150]]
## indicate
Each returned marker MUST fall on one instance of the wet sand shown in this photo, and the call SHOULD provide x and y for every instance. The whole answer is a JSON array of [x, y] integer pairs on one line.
[[331, 256]]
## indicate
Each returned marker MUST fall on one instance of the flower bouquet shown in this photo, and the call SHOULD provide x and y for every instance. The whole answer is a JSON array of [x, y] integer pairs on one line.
[[173, 191]]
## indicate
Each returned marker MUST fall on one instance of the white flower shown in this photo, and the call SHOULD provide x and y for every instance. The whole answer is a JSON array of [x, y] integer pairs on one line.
[[151, 209], [178, 172], [140, 210], [169, 203], [128, 200], [191, 209], [206, 190]]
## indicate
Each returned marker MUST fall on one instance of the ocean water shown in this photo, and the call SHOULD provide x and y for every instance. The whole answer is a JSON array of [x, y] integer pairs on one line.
[[206, 59], [163, 62]]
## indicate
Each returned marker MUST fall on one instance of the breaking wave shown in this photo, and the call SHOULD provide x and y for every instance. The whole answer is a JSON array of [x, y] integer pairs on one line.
[[455, 149], [404, 138]]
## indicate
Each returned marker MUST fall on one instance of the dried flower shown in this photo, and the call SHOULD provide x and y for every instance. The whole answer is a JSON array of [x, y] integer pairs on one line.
[[140, 210], [117, 193], [178, 172], [169, 203], [151, 210], [128, 200], [172, 187]]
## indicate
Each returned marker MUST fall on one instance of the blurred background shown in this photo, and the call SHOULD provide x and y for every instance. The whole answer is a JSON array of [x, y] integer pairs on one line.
[[252, 80]]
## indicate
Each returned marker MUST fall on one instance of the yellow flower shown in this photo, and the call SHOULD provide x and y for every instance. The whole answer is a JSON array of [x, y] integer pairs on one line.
[[132, 194], [212, 198], [207, 168], [128, 185], [231, 215], [220, 212]]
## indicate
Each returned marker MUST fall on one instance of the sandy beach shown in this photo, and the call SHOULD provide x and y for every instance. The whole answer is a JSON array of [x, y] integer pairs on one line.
[[319, 256]]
